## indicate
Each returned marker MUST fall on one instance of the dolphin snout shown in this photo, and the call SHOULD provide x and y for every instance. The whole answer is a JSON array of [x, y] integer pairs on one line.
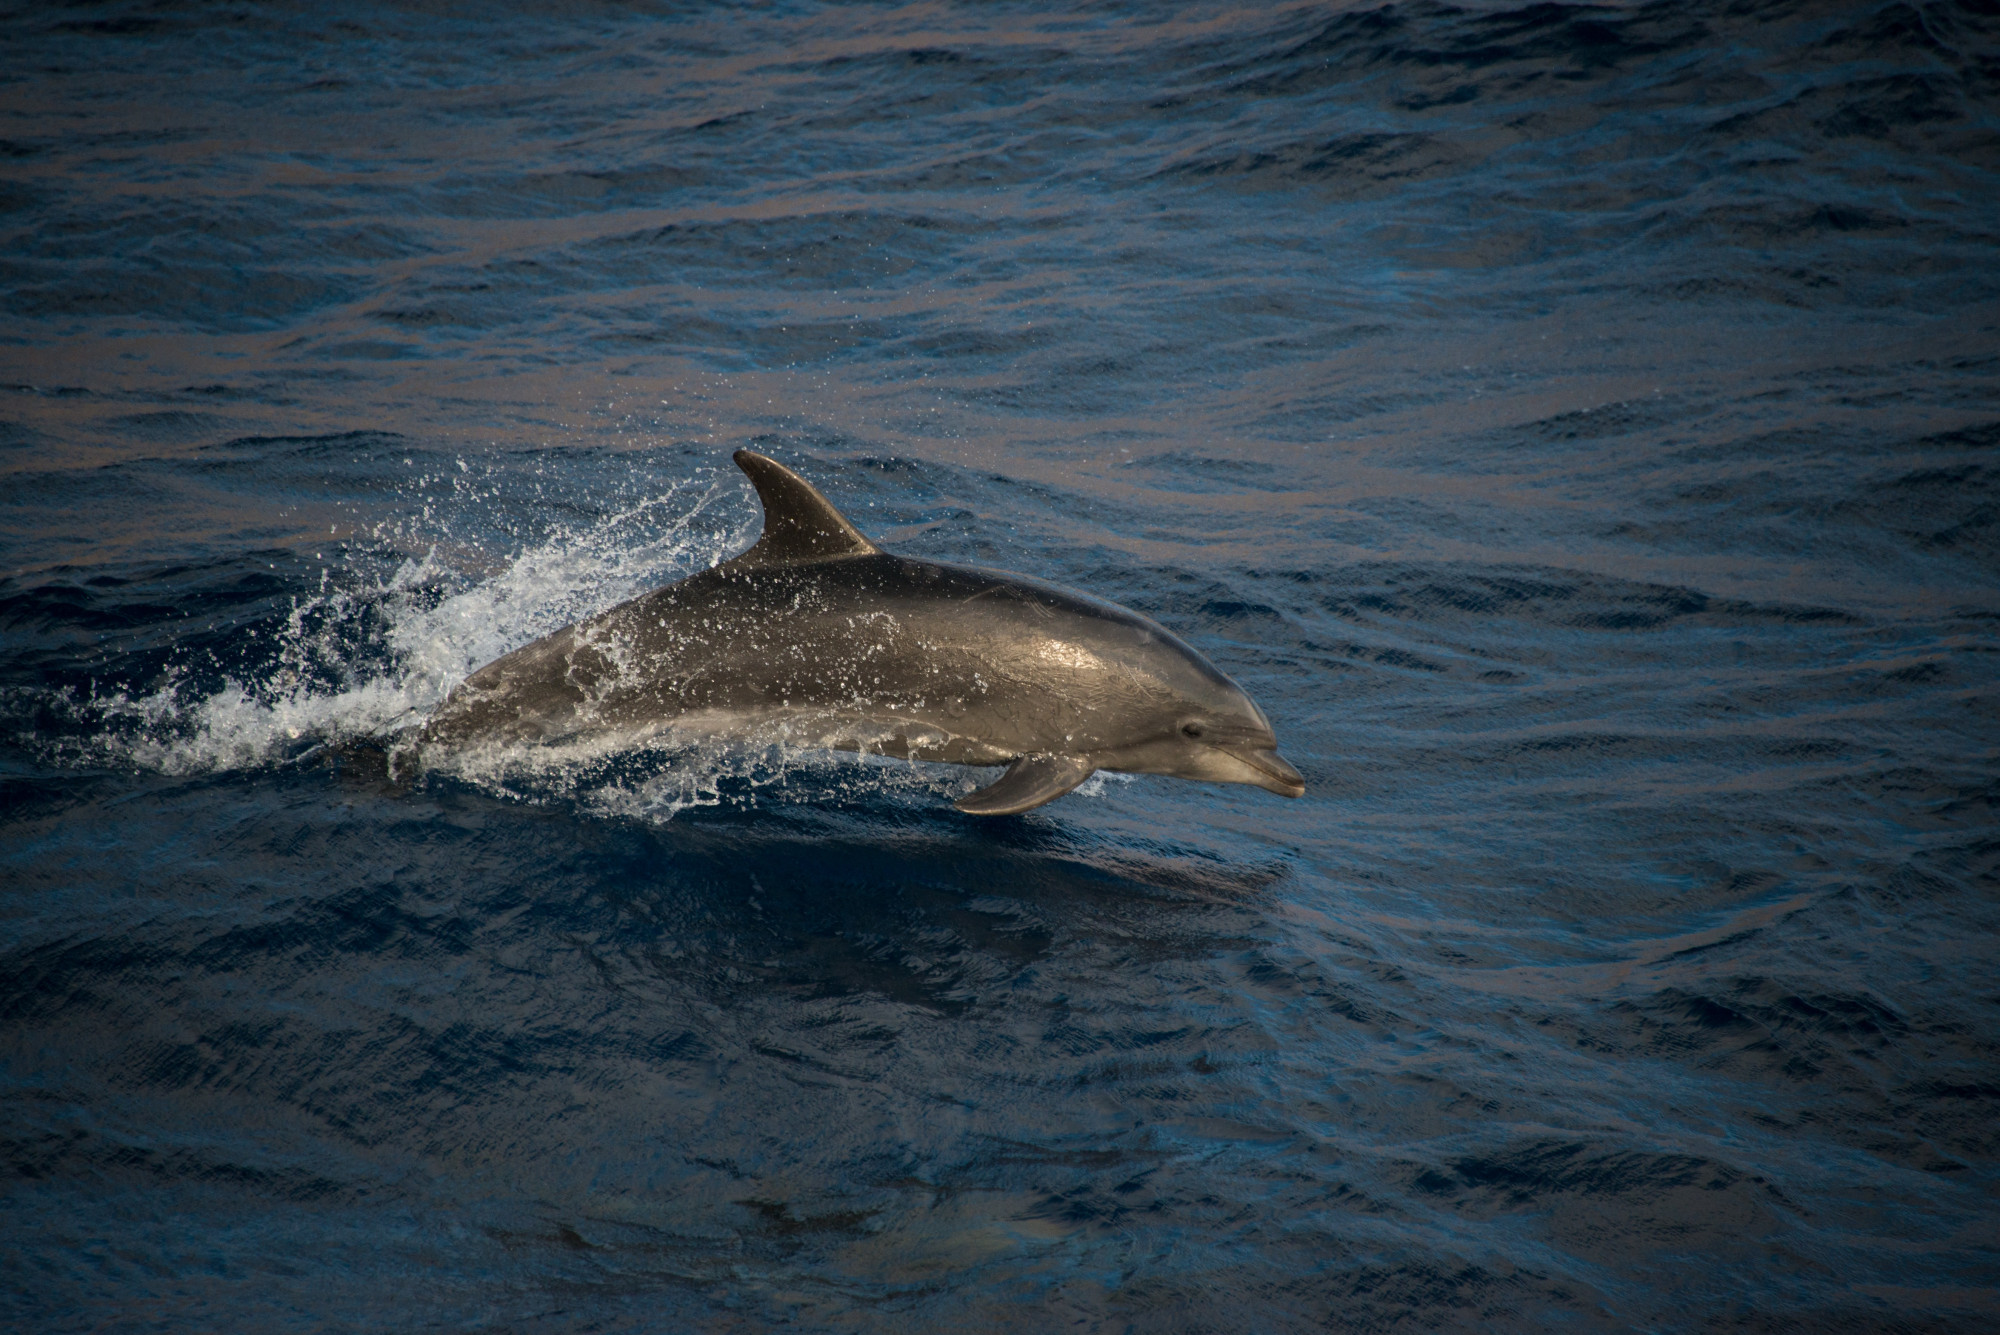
[[1273, 774]]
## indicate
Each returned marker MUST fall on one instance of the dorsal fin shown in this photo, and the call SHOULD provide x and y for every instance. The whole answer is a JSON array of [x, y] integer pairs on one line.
[[799, 523]]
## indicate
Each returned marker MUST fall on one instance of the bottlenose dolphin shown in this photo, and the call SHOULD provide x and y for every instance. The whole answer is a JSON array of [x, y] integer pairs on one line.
[[819, 638]]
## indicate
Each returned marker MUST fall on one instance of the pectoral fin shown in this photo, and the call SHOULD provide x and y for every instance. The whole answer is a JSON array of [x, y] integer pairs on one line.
[[1028, 782]]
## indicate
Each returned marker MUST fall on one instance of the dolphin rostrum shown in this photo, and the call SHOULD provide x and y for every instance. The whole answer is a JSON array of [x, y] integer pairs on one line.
[[819, 638]]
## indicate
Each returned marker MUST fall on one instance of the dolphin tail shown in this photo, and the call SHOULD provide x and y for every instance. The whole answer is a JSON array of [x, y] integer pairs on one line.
[[1028, 782]]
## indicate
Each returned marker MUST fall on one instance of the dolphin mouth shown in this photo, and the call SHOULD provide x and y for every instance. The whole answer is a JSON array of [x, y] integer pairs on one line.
[[1273, 774]]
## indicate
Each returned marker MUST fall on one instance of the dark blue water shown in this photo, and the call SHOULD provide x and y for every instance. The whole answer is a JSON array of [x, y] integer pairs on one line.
[[1575, 425]]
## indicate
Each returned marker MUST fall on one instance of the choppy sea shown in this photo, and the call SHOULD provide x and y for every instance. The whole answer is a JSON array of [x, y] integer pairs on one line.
[[1576, 425]]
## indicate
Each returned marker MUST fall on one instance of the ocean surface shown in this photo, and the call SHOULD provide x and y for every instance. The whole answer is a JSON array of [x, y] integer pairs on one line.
[[1575, 425]]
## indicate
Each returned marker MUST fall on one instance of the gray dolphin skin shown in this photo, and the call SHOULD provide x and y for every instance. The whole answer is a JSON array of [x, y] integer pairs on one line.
[[816, 637]]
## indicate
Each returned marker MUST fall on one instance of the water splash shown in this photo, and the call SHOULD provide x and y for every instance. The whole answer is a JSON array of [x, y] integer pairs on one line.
[[363, 660]]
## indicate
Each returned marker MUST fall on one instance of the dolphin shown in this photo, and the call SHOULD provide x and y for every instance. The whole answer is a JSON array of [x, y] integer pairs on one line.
[[819, 638]]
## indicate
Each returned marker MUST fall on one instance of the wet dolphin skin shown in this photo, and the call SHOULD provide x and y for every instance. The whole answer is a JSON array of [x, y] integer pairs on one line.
[[818, 637]]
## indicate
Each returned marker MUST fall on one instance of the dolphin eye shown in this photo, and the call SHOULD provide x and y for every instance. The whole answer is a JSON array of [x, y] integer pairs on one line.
[[1191, 729]]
